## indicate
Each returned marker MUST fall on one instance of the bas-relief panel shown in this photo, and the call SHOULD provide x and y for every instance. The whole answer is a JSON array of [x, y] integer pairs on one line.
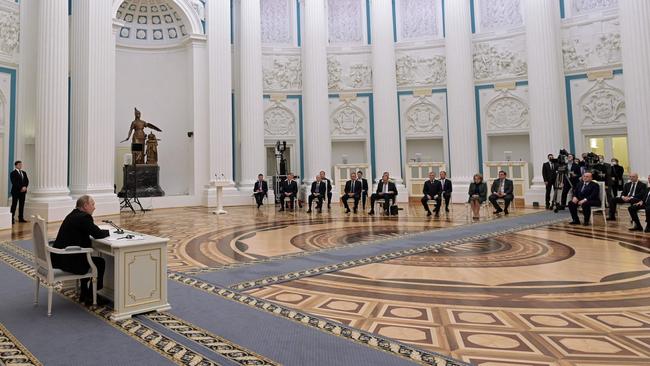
[[349, 72], [423, 116], [345, 21], [502, 59], [599, 103], [418, 19], [281, 118], [418, 68], [504, 111], [9, 34], [591, 45], [579, 7], [499, 14], [282, 72], [349, 118], [277, 21]]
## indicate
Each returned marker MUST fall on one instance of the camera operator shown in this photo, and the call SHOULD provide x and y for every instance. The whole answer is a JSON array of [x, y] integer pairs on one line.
[[571, 179], [549, 173]]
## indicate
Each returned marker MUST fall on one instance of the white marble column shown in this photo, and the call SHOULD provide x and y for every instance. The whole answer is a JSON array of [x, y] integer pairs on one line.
[[251, 117], [317, 141], [463, 147], [49, 194], [92, 128], [384, 89], [635, 38], [548, 122]]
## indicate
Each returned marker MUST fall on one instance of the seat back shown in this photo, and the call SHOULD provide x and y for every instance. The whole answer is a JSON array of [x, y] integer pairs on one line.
[[39, 238], [602, 196]]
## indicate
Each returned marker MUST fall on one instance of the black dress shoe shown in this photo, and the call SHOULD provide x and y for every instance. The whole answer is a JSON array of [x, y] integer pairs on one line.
[[282, 209], [22, 220], [355, 210], [574, 223], [428, 213], [497, 212], [446, 209], [347, 210], [586, 223], [647, 229], [636, 228], [436, 213], [506, 211], [611, 218], [372, 212], [308, 211]]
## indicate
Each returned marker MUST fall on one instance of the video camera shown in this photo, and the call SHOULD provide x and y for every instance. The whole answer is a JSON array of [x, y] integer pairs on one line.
[[561, 161], [596, 167]]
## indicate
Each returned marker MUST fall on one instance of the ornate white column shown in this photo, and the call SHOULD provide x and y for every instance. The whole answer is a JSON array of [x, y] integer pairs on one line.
[[92, 128], [317, 142], [463, 149], [384, 89], [251, 115], [548, 122], [49, 195], [635, 38]]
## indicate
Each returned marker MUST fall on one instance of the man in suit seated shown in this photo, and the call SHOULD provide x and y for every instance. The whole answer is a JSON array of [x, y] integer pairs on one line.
[[585, 195], [634, 208], [502, 188], [445, 185], [432, 191], [76, 230], [571, 179], [318, 190], [364, 189], [260, 189], [352, 190], [289, 191], [329, 188], [387, 191], [633, 192]]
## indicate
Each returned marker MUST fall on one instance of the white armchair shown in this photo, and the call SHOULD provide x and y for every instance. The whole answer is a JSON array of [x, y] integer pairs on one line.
[[43, 264]]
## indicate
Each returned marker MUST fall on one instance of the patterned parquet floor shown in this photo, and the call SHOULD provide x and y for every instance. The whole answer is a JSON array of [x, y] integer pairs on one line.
[[554, 295]]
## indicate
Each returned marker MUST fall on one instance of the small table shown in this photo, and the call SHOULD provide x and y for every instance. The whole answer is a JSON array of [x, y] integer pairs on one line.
[[136, 272], [219, 184]]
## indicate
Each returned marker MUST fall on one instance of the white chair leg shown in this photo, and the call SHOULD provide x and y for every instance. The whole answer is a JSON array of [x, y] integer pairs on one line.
[[49, 300], [38, 284], [94, 282]]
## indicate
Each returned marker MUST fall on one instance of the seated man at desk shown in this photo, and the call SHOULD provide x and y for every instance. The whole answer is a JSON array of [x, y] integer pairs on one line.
[[76, 230]]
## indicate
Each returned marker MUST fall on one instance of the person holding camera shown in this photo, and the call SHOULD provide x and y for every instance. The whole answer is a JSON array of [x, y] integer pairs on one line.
[[549, 173], [633, 192]]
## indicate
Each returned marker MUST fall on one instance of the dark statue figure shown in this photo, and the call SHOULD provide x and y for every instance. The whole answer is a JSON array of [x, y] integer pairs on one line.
[[139, 138]]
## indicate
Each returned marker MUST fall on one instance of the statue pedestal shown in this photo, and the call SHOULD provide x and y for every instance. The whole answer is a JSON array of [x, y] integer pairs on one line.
[[143, 180]]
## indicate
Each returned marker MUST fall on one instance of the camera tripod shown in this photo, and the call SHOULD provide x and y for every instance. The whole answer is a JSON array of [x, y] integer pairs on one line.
[[558, 186]]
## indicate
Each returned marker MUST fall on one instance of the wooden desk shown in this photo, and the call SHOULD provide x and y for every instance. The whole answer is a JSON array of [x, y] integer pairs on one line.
[[136, 273]]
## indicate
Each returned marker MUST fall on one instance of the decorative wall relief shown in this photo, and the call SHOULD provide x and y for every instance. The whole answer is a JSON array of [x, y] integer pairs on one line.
[[584, 6], [279, 121], [282, 73], [492, 61], [603, 104], [199, 8], [345, 21], [276, 21], [418, 18], [500, 14], [348, 120], [9, 32], [420, 71], [592, 49], [506, 112], [423, 117], [346, 74]]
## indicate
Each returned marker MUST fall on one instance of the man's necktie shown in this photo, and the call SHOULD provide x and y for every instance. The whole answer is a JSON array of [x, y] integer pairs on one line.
[[633, 189]]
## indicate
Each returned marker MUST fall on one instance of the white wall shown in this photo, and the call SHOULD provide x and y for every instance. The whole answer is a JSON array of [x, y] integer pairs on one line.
[[156, 83], [431, 149], [355, 150]]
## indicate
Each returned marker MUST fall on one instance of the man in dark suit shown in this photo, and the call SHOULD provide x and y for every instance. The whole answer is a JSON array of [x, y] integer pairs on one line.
[[318, 190], [387, 191], [549, 172], [617, 177], [502, 188], [19, 183], [644, 203], [633, 192], [364, 189], [445, 185], [352, 189], [585, 195], [76, 230], [571, 179], [260, 190], [432, 191], [329, 188], [289, 191]]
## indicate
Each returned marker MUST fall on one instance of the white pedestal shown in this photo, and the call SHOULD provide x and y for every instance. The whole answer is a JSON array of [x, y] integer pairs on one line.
[[219, 186]]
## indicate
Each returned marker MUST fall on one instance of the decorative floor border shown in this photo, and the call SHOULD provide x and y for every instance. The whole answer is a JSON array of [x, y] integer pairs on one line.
[[271, 280], [330, 327], [154, 340], [12, 352]]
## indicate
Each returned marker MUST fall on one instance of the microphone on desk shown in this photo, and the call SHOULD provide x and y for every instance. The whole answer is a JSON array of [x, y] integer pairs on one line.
[[118, 229]]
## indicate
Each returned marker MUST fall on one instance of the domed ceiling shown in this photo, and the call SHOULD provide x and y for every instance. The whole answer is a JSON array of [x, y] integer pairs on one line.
[[151, 22]]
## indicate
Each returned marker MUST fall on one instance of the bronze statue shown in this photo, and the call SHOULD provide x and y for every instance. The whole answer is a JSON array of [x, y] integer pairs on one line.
[[152, 149], [138, 141]]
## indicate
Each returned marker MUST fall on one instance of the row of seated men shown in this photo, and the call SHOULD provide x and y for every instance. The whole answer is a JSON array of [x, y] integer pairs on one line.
[[637, 195]]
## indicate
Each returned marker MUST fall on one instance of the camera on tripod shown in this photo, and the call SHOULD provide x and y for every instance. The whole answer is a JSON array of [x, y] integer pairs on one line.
[[596, 167]]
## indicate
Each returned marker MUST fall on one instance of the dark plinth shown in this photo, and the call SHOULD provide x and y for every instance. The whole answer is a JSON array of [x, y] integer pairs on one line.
[[147, 185]]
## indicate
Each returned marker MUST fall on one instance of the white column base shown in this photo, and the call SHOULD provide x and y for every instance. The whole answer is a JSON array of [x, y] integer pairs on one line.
[[536, 193], [5, 218], [49, 209]]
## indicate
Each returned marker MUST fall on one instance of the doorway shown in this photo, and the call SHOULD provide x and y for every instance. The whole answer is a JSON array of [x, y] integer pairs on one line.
[[611, 146]]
